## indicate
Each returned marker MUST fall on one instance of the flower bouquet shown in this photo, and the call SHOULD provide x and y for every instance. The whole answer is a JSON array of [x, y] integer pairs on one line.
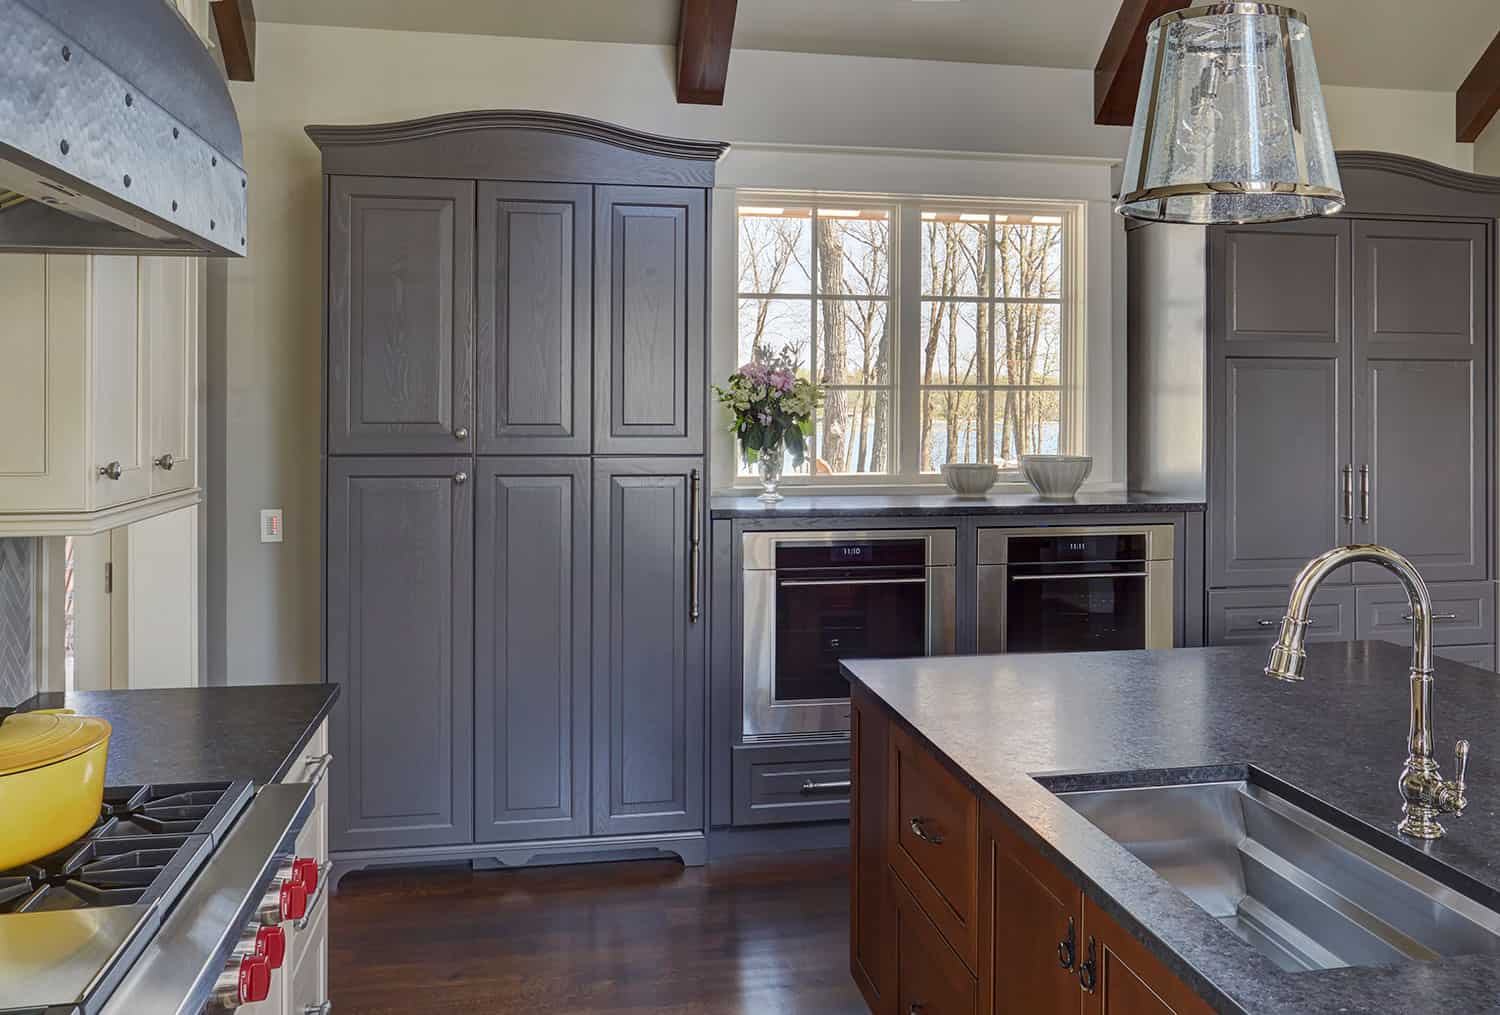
[[773, 411]]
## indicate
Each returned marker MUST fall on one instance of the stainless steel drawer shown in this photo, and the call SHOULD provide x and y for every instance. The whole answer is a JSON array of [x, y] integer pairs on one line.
[[1253, 616], [1463, 613]]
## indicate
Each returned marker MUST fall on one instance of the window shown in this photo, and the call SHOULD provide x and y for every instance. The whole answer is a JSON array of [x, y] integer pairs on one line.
[[942, 332]]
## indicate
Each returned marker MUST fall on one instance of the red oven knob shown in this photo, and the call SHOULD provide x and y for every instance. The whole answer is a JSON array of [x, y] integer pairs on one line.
[[305, 869], [255, 979], [270, 944], [293, 900]]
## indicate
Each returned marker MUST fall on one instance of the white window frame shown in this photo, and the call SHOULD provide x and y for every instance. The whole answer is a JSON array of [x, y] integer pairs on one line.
[[904, 322]]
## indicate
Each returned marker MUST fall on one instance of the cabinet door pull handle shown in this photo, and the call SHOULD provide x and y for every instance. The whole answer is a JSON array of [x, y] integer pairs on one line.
[[326, 1008], [461, 434], [812, 786], [1364, 493], [317, 768], [165, 462], [114, 470], [1263, 622], [325, 872], [1347, 484], [695, 543], [1067, 948], [1088, 972], [917, 1008], [1435, 616], [460, 478], [919, 829]]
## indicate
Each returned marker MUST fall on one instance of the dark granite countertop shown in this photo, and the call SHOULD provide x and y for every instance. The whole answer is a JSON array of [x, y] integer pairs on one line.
[[917, 504], [1340, 736], [202, 734]]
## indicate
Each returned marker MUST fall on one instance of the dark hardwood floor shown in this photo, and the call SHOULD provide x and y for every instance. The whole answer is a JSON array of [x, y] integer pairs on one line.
[[751, 936]]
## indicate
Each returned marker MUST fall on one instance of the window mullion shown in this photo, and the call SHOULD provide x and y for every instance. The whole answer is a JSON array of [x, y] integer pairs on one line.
[[906, 290]]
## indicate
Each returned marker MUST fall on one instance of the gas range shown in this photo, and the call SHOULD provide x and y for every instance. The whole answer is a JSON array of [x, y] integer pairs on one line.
[[77, 926]]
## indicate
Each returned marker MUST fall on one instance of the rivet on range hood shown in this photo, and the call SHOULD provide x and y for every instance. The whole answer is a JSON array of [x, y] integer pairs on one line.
[[117, 133]]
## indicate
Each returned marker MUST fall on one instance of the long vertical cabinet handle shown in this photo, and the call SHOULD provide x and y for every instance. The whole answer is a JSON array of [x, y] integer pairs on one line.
[[1364, 493], [1347, 489], [695, 530]]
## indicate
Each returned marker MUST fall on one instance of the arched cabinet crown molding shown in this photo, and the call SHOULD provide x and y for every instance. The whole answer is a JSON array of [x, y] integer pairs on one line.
[[516, 144]]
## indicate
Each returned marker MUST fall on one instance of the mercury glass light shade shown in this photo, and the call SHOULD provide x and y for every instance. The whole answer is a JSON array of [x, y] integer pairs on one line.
[[1230, 124]]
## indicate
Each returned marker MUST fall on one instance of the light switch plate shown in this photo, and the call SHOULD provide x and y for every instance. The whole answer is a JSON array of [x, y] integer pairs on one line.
[[270, 525]]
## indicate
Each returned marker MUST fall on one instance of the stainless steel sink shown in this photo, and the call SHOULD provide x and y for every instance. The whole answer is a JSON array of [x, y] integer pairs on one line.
[[1303, 892]]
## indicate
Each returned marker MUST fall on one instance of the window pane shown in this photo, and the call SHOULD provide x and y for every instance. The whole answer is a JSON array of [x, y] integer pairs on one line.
[[753, 469], [952, 428], [772, 325], [1028, 343], [1026, 423], [952, 344], [854, 254], [854, 432], [775, 250], [854, 344], [953, 256], [1028, 261]]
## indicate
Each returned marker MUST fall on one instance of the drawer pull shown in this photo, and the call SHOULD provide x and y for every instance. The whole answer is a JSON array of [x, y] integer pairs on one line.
[[317, 768], [325, 872], [326, 1008], [1088, 976], [1067, 948], [1436, 616], [1263, 622], [917, 1008], [919, 829], [812, 786]]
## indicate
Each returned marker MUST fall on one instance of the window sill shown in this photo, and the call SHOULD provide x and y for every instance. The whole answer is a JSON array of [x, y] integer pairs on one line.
[[800, 490]]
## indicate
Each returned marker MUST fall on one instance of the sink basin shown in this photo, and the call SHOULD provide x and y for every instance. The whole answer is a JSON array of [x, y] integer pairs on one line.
[[1298, 889]]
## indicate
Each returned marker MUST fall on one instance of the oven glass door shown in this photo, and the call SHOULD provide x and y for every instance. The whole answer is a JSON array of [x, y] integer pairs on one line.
[[827, 614], [1076, 607]]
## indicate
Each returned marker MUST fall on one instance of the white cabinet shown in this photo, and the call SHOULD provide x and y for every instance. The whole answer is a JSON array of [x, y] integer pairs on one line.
[[99, 390], [304, 985]]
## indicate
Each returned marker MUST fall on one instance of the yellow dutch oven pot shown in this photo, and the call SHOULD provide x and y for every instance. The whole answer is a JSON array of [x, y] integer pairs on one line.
[[51, 781]]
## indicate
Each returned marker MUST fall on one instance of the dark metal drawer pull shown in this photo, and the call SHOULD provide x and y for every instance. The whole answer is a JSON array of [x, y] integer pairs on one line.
[[1435, 616], [919, 829], [1071, 577], [811, 786], [1067, 948], [1088, 972], [792, 583]]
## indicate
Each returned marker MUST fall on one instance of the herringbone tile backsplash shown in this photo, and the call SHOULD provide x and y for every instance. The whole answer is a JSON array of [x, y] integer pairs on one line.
[[17, 599]]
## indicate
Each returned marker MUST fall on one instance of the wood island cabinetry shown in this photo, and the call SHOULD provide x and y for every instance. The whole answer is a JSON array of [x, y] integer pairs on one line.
[[953, 913]]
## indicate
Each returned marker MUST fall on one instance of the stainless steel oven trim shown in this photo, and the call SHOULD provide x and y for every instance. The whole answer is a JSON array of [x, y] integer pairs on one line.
[[994, 544], [764, 718]]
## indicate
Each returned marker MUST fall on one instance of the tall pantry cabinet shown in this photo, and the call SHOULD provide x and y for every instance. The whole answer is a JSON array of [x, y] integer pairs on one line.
[[515, 453]]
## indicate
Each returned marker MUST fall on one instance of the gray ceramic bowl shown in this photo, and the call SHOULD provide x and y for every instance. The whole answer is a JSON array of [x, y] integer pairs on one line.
[[1056, 477], [969, 479]]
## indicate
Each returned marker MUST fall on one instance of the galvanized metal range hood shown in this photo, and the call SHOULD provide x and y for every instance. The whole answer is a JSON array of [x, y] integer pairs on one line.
[[117, 133]]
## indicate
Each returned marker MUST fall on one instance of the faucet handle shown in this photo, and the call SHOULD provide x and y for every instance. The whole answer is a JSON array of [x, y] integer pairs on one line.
[[1460, 774]]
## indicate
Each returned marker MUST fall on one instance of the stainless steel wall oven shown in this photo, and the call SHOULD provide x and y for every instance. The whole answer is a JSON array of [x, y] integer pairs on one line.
[[813, 598]]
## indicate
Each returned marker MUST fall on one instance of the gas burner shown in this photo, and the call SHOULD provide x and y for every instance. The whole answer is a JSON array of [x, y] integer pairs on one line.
[[184, 808]]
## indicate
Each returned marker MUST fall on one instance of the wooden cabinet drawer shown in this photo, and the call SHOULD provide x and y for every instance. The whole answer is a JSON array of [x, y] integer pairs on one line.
[[930, 978], [791, 782], [934, 842], [1253, 616], [1463, 613]]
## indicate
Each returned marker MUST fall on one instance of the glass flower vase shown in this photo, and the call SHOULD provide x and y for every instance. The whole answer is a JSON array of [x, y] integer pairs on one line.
[[768, 466]]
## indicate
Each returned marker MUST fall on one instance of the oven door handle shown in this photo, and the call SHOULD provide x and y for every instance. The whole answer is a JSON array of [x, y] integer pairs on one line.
[[802, 582], [1070, 577]]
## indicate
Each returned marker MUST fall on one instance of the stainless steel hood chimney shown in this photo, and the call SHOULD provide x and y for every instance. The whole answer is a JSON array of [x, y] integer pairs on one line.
[[117, 133]]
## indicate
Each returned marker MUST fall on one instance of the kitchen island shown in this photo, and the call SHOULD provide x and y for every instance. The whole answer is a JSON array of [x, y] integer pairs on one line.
[[976, 748]]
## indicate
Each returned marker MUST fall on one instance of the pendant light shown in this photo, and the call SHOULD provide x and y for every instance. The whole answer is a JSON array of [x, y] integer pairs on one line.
[[1230, 124]]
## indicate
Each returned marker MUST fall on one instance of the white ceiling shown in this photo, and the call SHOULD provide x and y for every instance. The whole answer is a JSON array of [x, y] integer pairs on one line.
[[1371, 43]]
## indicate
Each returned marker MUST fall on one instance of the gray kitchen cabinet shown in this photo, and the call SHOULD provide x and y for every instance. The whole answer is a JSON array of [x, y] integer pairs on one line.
[[649, 680], [650, 280], [400, 315], [531, 648], [1420, 369], [1281, 289], [1463, 613], [791, 782], [1253, 616], [399, 636], [534, 294], [1482, 656]]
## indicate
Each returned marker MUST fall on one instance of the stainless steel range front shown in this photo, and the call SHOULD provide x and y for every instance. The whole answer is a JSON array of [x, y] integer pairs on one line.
[[813, 598]]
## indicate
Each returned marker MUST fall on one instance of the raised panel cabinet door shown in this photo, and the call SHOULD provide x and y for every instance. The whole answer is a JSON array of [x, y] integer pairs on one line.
[[648, 729], [1279, 486], [535, 288], [1128, 979], [1030, 932], [169, 328], [400, 316], [1280, 289], [930, 977], [650, 280], [869, 961], [531, 649], [400, 642], [1421, 388], [121, 467], [1253, 616]]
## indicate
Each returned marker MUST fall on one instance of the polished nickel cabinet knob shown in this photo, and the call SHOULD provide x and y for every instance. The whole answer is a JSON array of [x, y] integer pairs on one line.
[[165, 462], [114, 470], [461, 434], [460, 478]]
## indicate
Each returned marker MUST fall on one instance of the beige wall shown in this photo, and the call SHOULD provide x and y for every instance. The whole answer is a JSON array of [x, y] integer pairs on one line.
[[269, 392], [1487, 150]]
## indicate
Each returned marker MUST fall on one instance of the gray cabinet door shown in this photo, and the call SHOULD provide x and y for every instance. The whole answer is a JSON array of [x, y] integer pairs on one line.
[[1279, 396], [400, 641], [648, 650], [1420, 377], [531, 649], [535, 271], [649, 332], [400, 315]]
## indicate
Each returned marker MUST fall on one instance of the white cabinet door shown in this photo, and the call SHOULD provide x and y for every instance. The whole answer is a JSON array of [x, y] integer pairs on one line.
[[155, 602], [169, 329], [121, 466]]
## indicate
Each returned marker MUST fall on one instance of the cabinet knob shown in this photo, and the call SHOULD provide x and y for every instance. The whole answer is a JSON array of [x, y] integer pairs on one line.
[[461, 434], [114, 470], [165, 462], [460, 478]]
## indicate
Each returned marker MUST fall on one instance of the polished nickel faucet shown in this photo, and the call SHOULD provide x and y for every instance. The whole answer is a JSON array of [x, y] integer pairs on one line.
[[1424, 793]]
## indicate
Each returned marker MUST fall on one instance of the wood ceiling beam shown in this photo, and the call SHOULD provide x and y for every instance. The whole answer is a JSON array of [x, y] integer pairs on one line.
[[234, 24], [1117, 75], [1478, 98], [703, 41]]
